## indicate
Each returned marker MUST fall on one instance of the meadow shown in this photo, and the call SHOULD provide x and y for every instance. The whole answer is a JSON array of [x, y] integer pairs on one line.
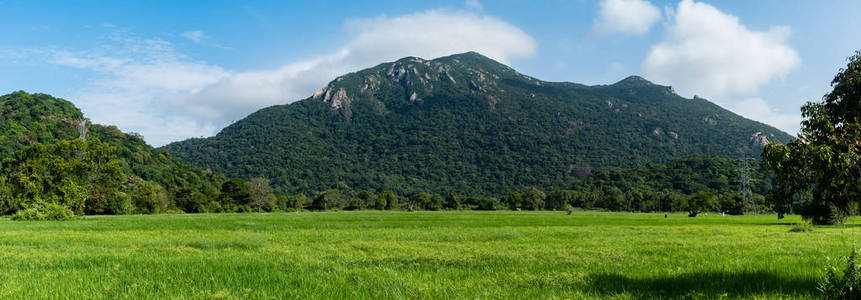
[[372, 254]]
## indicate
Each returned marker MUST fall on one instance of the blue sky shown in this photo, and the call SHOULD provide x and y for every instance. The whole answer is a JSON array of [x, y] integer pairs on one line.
[[178, 69]]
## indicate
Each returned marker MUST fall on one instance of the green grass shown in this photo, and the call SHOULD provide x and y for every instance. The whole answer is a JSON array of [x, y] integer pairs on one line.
[[417, 255]]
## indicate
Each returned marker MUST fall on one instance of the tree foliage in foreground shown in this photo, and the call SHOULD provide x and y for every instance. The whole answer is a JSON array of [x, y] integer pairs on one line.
[[825, 160]]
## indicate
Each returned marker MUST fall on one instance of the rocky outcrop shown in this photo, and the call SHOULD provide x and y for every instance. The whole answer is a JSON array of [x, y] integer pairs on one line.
[[757, 139], [337, 101], [658, 132]]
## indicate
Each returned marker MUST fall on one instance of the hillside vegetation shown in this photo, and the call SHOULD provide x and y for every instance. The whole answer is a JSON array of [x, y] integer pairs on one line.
[[469, 125], [47, 167]]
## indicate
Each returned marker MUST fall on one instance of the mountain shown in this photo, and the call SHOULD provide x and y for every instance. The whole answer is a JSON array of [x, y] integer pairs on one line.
[[468, 124], [43, 159]]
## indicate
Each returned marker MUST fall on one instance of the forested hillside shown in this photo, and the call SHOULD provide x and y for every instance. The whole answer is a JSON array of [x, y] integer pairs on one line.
[[52, 156], [470, 125], [734, 186]]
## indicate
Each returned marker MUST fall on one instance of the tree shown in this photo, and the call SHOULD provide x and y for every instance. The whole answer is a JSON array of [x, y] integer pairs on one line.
[[452, 201], [732, 203], [379, 202], [613, 198], [327, 200], [149, 198], [435, 202], [390, 198], [419, 201], [513, 200], [367, 199], [74, 196], [558, 199], [485, 203], [260, 195], [699, 202], [533, 198], [292, 202], [825, 159], [234, 192]]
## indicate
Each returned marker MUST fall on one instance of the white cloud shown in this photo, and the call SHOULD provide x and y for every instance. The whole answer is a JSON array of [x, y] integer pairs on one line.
[[196, 36], [474, 4], [759, 109], [146, 86], [708, 52], [141, 86], [630, 17]]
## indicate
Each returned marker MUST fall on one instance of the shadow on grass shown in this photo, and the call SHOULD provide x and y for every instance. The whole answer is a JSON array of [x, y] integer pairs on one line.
[[704, 285], [854, 225], [781, 224]]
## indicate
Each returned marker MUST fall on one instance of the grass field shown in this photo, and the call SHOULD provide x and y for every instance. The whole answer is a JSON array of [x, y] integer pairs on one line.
[[416, 255]]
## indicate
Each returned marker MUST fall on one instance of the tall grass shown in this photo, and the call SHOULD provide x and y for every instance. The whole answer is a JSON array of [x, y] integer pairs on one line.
[[415, 255]]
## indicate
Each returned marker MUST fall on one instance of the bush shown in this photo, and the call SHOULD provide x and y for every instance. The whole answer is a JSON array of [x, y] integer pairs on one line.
[[42, 212], [174, 211], [57, 212], [486, 203], [842, 280], [29, 214], [569, 209], [801, 227]]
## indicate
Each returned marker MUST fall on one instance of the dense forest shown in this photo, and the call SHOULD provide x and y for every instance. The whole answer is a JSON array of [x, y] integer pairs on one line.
[[693, 184], [53, 159], [469, 125]]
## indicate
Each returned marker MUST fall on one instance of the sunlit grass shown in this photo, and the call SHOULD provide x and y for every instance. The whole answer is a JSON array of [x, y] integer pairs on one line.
[[416, 255]]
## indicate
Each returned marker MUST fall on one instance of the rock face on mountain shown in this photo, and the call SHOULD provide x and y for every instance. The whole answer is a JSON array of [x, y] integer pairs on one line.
[[468, 124]]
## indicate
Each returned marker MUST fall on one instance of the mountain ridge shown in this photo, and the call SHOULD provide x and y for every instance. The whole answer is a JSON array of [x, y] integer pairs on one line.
[[469, 124]]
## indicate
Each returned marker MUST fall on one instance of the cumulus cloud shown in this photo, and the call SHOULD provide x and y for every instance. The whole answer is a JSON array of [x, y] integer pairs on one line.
[[708, 52], [630, 17], [139, 84], [759, 109], [147, 86]]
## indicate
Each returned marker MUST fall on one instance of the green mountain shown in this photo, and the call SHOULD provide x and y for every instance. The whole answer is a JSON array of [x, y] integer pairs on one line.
[[43, 160], [468, 124]]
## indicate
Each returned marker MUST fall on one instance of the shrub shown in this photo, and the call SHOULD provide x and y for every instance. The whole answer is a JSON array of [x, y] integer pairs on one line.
[[801, 227], [569, 209], [842, 280], [29, 214], [174, 211], [57, 212], [47, 211], [486, 203]]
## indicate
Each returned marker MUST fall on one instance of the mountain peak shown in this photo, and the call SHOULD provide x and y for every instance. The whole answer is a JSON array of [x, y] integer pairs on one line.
[[470, 55], [633, 81], [414, 79]]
